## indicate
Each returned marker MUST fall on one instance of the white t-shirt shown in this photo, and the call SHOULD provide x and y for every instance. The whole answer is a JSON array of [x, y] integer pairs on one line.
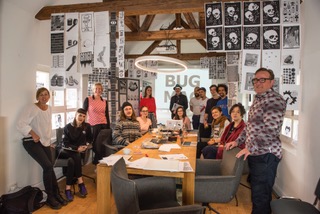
[[203, 104], [195, 103]]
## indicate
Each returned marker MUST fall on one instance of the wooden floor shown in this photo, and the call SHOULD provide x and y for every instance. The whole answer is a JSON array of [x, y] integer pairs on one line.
[[89, 204]]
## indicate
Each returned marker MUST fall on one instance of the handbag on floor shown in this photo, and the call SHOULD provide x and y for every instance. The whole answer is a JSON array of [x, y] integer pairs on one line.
[[26, 200]]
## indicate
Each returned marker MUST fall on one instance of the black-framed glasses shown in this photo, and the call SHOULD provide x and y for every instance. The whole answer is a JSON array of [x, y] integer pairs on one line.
[[144, 111], [261, 80]]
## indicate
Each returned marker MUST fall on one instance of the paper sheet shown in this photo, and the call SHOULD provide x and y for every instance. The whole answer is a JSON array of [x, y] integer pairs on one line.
[[168, 147]]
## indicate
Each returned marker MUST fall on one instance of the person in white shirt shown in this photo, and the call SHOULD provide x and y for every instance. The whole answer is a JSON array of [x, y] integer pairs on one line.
[[195, 108], [145, 122]]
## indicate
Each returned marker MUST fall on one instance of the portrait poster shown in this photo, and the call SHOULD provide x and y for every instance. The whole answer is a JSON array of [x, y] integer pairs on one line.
[[232, 13]]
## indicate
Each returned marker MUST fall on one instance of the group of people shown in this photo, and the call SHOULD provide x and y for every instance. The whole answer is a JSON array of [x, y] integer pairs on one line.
[[258, 138]]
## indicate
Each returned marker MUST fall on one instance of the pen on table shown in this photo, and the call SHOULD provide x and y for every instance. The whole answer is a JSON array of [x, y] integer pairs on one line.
[[146, 155]]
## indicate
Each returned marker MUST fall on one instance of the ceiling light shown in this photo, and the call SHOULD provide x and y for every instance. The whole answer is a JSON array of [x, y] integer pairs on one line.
[[140, 63]]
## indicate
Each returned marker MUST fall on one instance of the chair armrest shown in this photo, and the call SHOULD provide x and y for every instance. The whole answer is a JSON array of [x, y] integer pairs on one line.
[[195, 209], [208, 167], [290, 198], [111, 149]]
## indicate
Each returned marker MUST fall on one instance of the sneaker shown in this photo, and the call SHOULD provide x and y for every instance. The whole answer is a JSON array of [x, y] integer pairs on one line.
[[53, 203], [61, 200], [82, 190], [69, 195]]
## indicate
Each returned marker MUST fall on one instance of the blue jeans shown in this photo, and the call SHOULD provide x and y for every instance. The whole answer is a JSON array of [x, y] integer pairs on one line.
[[263, 170]]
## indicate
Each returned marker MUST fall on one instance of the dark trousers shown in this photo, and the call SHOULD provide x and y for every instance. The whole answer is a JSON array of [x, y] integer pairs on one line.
[[74, 169], [263, 170], [43, 156], [210, 152], [95, 131], [203, 133], [195, 121]]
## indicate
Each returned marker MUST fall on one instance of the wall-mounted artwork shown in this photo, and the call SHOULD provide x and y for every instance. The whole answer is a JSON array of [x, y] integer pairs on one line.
[[286, 129], [271, 60], [232, 90], [213, 14], [290, 11], [251, 38], [232, 38], [251, 15], [271, 37], [271, 12], [232, 58], [291, 36], [232, 13], [232, 73], [290, 94], [214, 38]]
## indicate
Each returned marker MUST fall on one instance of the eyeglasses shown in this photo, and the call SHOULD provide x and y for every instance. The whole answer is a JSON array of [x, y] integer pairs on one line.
[[144, 111], [261, 80]]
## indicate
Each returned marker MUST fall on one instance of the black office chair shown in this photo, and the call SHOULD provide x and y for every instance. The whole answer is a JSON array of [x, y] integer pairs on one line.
[[146, 195], [217, 180], [294, 205], [104, 143]]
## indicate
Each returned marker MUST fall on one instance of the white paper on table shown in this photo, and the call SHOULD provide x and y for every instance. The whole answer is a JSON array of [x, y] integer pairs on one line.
[[138, 164], [162, 165], [174, 157], [192, 135], [185, 167], [112, 159], [168, 147]]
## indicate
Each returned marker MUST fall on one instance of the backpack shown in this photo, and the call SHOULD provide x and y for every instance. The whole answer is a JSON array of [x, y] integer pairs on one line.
[[24, 201]]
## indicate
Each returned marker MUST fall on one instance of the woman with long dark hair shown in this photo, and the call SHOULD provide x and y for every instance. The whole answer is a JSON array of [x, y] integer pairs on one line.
[[149, 101]]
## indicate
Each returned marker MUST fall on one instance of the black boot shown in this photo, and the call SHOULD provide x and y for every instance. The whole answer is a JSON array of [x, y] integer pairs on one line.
[[53, 203], [61, 200]]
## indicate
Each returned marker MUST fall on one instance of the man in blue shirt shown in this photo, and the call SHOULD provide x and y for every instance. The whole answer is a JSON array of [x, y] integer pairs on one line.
[[223, 102]]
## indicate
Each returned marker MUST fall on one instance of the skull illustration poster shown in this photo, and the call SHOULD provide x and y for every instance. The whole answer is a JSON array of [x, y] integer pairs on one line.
[[290, 11], [213, 14], [271, 38], [232, 13], [214, 38], [232, 38], [271, 12], [291, 36], [251, 38], [251, 15]]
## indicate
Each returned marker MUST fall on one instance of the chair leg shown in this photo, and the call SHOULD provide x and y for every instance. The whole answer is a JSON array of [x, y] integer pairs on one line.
[[235, 196], [93, 179], [210, 208]]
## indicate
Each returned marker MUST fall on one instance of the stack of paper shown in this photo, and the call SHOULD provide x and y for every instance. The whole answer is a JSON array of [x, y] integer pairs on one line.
[[112, 159]]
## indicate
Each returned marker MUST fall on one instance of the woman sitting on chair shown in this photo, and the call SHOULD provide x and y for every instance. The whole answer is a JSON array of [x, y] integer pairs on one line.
[[76, 138], [127, 128], [231, 132], [145, 122], [181, 115]]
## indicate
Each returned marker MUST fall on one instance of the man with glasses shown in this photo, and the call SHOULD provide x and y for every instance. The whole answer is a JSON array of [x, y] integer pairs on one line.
[[261, 136]]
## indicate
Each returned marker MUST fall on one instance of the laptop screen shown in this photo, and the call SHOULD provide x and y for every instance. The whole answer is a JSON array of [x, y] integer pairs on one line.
[[174, 124]]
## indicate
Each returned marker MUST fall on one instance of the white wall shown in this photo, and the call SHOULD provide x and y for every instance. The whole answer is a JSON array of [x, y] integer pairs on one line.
[[299, 169]]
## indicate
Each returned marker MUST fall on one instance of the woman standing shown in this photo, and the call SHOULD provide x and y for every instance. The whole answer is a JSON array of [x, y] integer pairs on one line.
[[98, 116], [181, 115], [127, 128], [150, 103], [36, 127], [145, 122], [219, 123], [76, 136]]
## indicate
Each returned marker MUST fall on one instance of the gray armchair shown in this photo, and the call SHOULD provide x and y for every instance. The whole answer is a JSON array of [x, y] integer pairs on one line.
[[217, 181], [146, 195], [296, 206], [104, 143]]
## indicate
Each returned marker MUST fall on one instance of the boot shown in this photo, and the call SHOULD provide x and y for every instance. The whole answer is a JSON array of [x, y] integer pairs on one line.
[[60, 199], [82, 190], [69, 195], [53, 203]]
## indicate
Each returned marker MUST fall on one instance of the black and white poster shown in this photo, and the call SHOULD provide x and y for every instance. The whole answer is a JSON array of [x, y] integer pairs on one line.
[[232, 13], [213, 14], [271, 12], [251, 38], [232, 38], [214, 38], [290, 94], [252, 14], [290, 11], [271, 38], [291, 36], [233, 73]]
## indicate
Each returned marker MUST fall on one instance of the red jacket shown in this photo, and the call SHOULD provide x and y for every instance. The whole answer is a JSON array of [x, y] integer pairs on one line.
[[232, 137]]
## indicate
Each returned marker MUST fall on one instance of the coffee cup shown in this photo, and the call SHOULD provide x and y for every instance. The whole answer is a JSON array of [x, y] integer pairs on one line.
[[126, 151]]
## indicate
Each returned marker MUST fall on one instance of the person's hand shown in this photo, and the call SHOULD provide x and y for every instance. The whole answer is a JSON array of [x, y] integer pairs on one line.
[[244, 152], [35, 137], [82, 148], [231, 145], [211, 141]]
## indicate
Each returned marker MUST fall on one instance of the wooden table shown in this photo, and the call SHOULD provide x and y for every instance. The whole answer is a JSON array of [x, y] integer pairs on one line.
[[104, 171]]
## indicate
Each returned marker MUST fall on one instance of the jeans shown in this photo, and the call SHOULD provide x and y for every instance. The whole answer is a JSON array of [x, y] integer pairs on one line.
[[203, 133], [195, 121], [43, 156], [95, 131], [210, 152], [263, 169], [74, 169]]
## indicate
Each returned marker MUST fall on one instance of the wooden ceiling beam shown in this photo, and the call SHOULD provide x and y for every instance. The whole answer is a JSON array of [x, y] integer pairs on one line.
[[191, 20], [131, 23], [131, 8], [165, 34], [201, 20], [151, 47], [184, 56], [147, 23]]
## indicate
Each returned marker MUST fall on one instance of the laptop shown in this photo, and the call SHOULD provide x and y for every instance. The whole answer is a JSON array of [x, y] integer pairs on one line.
[[174, 124]]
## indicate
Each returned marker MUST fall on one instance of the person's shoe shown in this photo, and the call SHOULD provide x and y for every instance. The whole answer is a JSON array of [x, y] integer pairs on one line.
[[53, 203], [69, 195], [82, 190], [61, 200]]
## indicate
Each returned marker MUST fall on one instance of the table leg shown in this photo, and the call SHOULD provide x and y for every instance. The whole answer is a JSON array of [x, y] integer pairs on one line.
[[103, 189]]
